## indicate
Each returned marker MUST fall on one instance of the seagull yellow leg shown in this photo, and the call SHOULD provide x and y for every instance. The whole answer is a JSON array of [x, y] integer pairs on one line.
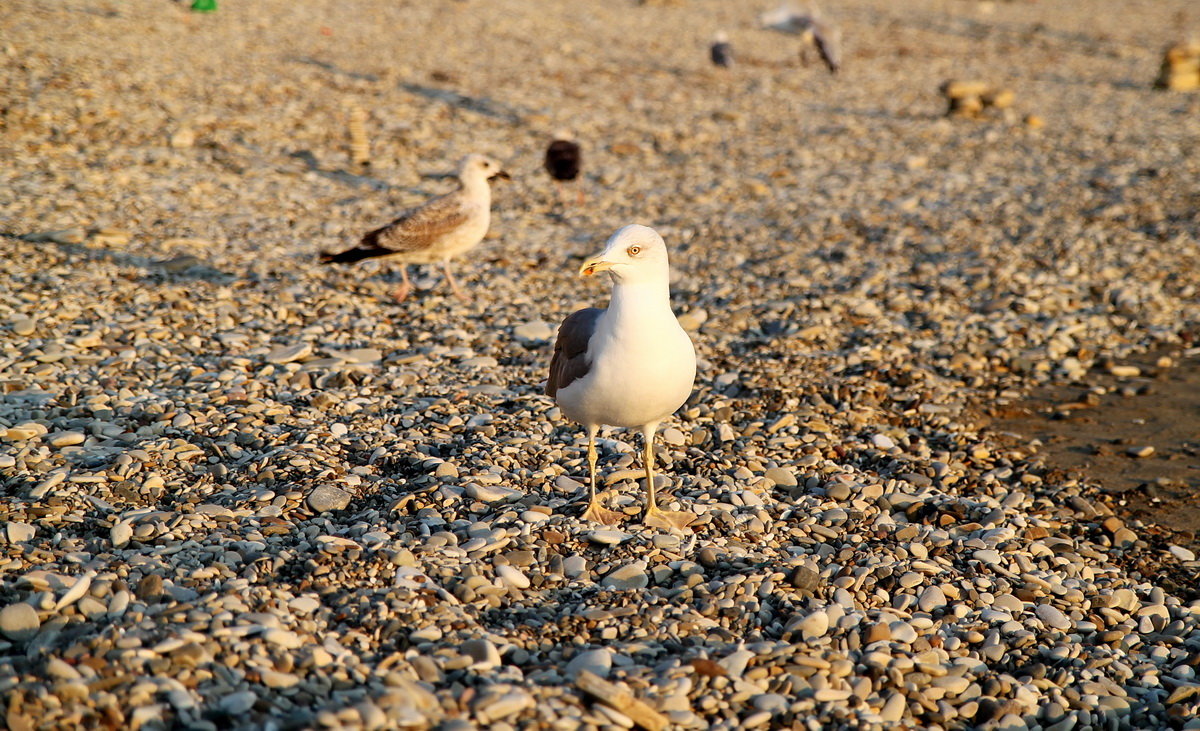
[[450, 278], [595, 512], [655, 516]]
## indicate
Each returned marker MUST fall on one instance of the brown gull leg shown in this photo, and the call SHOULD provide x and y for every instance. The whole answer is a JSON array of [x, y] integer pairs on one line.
[[405, 286], [595, 512], [450, 278], [657, 517]]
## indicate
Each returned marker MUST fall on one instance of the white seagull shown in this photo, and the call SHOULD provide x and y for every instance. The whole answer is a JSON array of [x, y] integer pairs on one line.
[[630, 365], [438, 230], [813, 28]]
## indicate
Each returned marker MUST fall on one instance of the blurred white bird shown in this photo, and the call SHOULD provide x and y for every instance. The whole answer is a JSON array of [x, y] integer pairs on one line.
[[812, 27]]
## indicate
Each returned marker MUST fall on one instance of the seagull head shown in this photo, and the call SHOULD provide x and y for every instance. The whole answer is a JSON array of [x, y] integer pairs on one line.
[[476, 167], [633, 254]]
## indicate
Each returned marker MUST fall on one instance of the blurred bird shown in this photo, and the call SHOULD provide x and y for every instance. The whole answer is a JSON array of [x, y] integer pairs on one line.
[[564, 158], [437, 230], [823, 34], [721, 52]]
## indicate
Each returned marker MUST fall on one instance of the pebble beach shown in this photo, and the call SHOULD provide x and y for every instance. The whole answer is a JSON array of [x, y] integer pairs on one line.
[[240, 489]]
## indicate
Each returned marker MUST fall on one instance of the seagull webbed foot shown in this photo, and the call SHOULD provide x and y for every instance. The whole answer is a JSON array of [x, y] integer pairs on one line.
[[670, 519], [597, 514]]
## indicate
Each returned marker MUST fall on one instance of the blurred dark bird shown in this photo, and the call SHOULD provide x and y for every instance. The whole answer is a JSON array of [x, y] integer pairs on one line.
[[721, 52], [564, 158], [813, 29], [436, 231]]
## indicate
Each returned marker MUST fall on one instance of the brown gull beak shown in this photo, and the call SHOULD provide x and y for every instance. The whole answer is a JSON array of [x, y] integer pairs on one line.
[[503, 175]]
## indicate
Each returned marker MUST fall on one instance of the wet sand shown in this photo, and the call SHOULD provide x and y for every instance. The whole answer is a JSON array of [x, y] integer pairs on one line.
[[1092, 432]]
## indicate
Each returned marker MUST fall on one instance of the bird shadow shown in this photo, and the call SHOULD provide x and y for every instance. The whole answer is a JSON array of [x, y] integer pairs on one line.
[[345, 176], [178, 267], [333, 68], [1054, 77], [479, 105], [872, 113], [969, 28]]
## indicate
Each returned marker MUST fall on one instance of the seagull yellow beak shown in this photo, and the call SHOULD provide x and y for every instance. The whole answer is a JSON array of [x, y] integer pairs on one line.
[[595, 265]]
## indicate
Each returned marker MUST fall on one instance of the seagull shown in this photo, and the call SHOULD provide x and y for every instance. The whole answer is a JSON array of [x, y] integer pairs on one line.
[[438, 230], [721, 52], [827, 37], [630, 365], [564, 157], [822, 33]]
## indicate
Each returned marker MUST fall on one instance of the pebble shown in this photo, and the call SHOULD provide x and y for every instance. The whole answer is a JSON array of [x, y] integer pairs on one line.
[[492, 493], [276, 679], [893, 710], [512, 577], [326, 498], [497, 707], [120, 534], [283, 638], [1053, 617], [932, 599], [534, 331], [289, 353], [772, 703], [805, 579], [597, 661], [78, 588], [1124, 538], [19, 622], [882, 441], [23, 326], [483, 653], [238, 703], [693, 319], [66, 439], [630, 576], [814, 625], [781, 477], [607, 537], [19, 532], [1181, 553], [304, 604]]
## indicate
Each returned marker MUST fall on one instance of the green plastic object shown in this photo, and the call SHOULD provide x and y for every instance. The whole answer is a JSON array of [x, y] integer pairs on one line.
[[204, 6]]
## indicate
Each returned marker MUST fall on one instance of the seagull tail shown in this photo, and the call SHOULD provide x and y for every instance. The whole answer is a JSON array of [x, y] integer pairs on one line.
[[358, 253]]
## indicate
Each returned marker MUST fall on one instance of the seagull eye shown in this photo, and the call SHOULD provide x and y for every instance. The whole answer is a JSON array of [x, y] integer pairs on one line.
[[634, 250]]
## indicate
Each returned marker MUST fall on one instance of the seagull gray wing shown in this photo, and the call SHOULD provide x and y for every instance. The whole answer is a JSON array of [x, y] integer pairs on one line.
[[570, 361]]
